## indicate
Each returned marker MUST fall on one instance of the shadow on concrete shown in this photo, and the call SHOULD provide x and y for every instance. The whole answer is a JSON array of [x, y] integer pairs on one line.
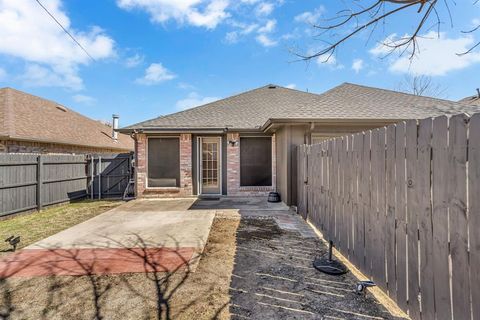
[[82, 284]]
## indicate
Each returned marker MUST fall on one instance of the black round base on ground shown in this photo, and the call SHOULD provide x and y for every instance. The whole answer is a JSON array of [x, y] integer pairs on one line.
[[274, 197], [332, 267]]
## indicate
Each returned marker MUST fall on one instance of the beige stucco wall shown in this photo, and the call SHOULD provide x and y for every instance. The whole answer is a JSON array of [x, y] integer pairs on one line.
[[288, 137]]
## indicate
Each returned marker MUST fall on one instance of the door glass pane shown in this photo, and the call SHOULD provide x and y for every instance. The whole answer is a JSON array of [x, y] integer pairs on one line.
[[210, 165]]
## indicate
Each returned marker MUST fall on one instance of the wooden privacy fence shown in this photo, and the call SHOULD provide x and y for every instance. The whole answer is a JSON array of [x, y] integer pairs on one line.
[[33, 181], [29, 181], [403, 204]]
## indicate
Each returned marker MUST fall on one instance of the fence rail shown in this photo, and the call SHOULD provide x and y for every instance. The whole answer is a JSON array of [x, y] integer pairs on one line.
[[403, 204], [29, 181]]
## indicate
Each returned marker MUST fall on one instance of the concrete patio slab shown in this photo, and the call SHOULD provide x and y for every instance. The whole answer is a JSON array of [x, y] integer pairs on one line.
[[139, 236], [132, 228]]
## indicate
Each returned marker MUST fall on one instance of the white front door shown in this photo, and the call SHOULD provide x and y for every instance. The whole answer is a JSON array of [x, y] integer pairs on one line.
[[210, 165]]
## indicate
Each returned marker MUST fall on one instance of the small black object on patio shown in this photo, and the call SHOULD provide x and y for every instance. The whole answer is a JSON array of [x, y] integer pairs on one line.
[[274, 197], [328, 265]]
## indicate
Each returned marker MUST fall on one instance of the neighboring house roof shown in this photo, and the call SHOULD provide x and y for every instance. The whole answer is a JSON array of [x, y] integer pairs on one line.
[[472, 100], [30, 118], [256, 108]]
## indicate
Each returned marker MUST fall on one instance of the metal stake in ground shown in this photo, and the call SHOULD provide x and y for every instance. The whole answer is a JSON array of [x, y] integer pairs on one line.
[[328, 265]]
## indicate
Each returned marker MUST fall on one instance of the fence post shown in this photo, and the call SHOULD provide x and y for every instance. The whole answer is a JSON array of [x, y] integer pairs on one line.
[[39, 181], [92, 176], [99, 177]]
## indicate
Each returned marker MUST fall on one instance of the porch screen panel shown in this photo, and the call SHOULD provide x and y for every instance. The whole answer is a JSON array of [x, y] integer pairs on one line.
[[256, 161], [163, 162]]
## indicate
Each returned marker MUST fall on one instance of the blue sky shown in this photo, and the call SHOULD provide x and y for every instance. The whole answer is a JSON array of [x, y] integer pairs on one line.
[[155, 57]]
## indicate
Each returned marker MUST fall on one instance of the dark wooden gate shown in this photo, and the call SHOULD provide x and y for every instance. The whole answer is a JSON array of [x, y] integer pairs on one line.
[[109, 175]]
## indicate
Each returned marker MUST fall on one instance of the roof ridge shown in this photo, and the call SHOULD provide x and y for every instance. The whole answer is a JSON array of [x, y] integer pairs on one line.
[[201, 106], [55, 102], [395, 91]]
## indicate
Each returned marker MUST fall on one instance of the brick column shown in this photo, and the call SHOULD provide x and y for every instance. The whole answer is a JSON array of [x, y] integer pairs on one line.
[[140, 164], [186, 183], [233, 164]]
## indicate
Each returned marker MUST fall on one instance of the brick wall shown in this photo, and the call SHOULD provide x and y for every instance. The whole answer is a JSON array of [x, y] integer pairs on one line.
[[233, 170], [186, 183], [14, 146]]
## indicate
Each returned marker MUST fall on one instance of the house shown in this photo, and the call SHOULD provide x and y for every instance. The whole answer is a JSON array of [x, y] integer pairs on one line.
[[472, 100], [30, 124], [244, 145]]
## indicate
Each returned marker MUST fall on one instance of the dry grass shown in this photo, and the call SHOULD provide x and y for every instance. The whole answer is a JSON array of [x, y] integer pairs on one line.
[[39, 225]]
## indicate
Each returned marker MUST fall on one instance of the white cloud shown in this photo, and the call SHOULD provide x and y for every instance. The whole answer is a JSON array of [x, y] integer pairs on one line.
[[194, 100], [268, 27], [357, 65], [186, 86], [243, 29], [265, 40], [329, 61], [30, 34], [84, 99], [134, 60], [310, 17], [3, 74], [51, 76], [156, 73], [437, 55], [231, 37], [199, 13], [264, 9], [291, 86]]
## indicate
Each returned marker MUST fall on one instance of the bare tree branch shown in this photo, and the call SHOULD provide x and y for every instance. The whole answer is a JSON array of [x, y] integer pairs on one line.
[[378, 11], [421, 86]]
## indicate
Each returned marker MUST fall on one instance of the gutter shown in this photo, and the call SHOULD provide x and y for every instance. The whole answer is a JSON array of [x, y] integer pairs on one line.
[[308, 121], [264, 128], [182, 130]]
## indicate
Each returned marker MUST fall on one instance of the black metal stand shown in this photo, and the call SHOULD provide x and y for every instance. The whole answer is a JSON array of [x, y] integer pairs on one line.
[[328, 265]]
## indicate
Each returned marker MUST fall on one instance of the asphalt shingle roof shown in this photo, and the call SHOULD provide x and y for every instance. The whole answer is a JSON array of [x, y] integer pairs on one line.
[[471, 101], [252, 109], [27, 117]]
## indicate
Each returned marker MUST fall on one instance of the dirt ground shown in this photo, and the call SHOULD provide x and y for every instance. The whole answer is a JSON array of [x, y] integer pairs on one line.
[[250, 269], [273, 278]]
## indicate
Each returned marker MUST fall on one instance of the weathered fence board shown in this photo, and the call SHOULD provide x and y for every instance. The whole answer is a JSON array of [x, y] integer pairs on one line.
[[424, 215], [390, 211], [412, 223], [402, 203], [358, 223], [458, 216], [440, 218], [401, 215], [474, 210]]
